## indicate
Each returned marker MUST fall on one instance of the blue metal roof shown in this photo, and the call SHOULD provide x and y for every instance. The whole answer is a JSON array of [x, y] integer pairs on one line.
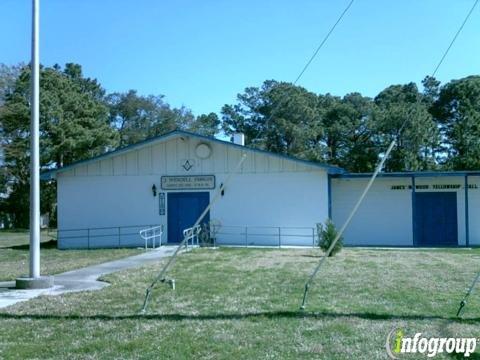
[[50, 174]]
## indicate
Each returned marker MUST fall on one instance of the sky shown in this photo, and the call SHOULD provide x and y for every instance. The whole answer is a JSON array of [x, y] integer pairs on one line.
[[202, 53]]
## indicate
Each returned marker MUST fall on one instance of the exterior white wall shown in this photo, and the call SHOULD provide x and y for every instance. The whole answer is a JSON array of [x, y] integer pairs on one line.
[[105, 201], [269, 191], [474, 210], [294, 202], [383, 219]]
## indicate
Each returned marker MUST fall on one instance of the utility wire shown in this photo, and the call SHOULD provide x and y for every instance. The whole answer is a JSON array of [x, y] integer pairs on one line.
[[455, 37], [323, 42], [463, 303], [333, 28], [161, 277], [446, 52], [370, 183], [305, 67]]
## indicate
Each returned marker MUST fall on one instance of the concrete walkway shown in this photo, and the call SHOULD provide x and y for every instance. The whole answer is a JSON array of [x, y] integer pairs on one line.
[[82, 279]]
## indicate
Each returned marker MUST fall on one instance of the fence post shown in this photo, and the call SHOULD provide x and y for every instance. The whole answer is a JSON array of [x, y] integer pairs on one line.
[[246, 236], [162, 230], [119, 234], [153, 238], [88, 239], [215, 240], [279, 237], [313, 237]]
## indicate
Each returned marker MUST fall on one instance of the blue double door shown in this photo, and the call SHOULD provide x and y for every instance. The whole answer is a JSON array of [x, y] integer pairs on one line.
[[183, 209], [436, 219]]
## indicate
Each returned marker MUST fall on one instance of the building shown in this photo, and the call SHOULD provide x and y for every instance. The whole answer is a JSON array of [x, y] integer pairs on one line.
[[169, 180], [272, 200], [410, 208]]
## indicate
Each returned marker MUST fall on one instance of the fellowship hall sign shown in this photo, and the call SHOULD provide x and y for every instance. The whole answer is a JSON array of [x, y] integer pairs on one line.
[[188, 182], [433, 186]]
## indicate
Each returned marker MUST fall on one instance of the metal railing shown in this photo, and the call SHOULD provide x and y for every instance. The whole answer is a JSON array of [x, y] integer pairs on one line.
[[220, 235], [263, 236], [101, 237], [191, 235], [152, 234]]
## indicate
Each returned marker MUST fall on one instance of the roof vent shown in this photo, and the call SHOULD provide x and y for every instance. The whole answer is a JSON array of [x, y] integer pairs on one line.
[[239, 139]]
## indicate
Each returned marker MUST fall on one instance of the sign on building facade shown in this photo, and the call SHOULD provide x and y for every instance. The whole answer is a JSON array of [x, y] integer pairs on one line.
[[188, 182]]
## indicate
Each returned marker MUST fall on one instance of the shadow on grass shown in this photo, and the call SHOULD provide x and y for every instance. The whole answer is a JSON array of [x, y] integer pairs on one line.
[[239, 316], [51, 244]]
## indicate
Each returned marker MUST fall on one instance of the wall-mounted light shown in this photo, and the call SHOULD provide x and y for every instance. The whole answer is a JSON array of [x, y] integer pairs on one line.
[[223, 189], [154, 190]]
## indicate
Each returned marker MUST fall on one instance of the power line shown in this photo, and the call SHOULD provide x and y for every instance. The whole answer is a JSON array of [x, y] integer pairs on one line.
[[445, 53], [455, 37], [370, 183], [323, 42], [308, 63], [161, 277]]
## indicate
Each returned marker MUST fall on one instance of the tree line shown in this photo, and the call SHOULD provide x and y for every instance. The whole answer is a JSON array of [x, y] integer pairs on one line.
[[79, 120], [441, 124]]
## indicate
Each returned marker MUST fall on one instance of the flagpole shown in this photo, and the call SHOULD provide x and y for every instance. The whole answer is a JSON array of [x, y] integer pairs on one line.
[[35, 281], [35, 148]]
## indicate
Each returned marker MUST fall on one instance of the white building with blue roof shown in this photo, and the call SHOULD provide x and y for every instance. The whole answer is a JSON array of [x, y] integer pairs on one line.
[[169, 180], [272, 200]]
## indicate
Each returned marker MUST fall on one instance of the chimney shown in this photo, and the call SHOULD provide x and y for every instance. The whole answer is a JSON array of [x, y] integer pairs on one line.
[[239, 139]]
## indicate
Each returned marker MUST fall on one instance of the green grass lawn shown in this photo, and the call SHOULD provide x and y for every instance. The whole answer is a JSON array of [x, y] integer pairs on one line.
[[244, 304], [14, 255]]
